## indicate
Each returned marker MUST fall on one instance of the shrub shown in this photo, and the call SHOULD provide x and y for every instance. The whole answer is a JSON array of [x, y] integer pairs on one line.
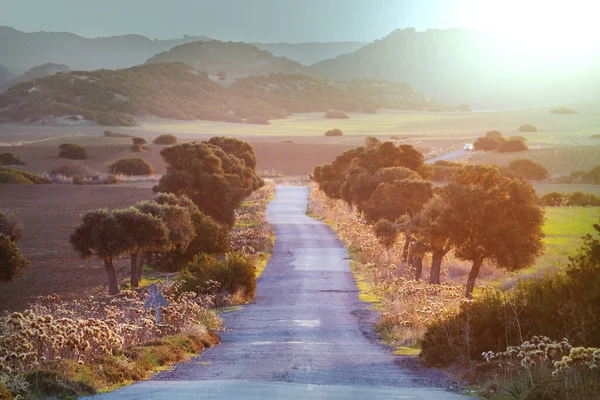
[[443, 170], [563, 110], [166, 139], [528, 128], [527, 169], [258, 121], [592, 176], [10, 159], [11, 226], [488, 143], [112, 134], [336, 114], [72, 151], [12, 261], [70, 170], [580, 199], [522, 138], [15, 176], [138, 148], [494, 134], [552, 199], [334, 132], [131, 166], [511, 146], [139, 141], [233, 273]]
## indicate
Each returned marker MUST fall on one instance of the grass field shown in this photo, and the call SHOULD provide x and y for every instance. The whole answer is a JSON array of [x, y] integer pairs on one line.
[[564, 228]]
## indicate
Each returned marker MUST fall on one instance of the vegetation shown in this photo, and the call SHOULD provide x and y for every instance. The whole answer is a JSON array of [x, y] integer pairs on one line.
[[10, 159], [138, 141], [336, 114], [596, 136], [442, 171], [72, 151], [563, 110], [166, 139], [575, 199], [526, 169], [131, 166], [109, 133], [510, 146], [592, 176], [216, 174], [12, 261], [334, 132], [15, 176], [528, 128]]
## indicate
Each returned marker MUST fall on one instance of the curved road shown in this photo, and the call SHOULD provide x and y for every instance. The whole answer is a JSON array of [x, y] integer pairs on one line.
[[301, 337]]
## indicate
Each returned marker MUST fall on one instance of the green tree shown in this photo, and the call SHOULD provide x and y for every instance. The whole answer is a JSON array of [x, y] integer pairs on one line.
[[216, 180], [12, 261], [11, 226], [493, 217], [386, 232], [527, 169]]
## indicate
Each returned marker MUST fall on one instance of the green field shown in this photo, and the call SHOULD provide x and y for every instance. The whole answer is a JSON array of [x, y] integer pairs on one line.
[[564, 228]]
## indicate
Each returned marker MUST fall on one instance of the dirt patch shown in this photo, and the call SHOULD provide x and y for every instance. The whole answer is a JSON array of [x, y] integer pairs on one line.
[[50, 213]]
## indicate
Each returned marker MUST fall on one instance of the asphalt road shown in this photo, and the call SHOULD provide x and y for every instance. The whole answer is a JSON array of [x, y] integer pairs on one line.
[[306, 335], [447, 156]]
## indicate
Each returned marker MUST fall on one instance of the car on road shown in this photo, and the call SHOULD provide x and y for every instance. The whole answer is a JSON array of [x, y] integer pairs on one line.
[[468, 147]]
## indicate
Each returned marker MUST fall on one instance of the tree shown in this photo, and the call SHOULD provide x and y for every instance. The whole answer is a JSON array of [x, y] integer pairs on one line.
[[432, 234], [494, 217], [494, 134], [386, 233], [141, 232], [72, 151], [488, 143], [11, 226], [592, 176], [12, 261], [131, 166], [527, 169], [216, 180], [101, 235], [510, 146]]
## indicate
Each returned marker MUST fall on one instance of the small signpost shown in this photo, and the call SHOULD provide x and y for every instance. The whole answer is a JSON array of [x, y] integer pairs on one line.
[[155, 300]]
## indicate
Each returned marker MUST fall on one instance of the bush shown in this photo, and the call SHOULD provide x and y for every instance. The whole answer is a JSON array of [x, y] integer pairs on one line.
[[336, 114], [131, 166], [494, 134], [70, 170], [563, 110], [511, 146], [139, 141], [12, 261], [552, 199], [138, 148], [580, 199], [10, 159], [112, 134], [334, 132], [521, 138], [11, 227], [562, 305], [15, 176], [233, 273], [528, 128], [166, 139], [527, 169], [72, 151], [258, 121], [592, 176], [488, 143]]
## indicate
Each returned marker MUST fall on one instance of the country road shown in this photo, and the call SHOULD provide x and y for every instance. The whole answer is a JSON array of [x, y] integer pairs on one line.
[[306, 335]]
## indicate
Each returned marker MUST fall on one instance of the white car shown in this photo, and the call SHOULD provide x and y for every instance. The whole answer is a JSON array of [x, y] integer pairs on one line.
[[468, 147]]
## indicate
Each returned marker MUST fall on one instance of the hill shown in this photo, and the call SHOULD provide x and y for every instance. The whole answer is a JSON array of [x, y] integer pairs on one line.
[[460, 65], [36, 72], [174, 90], [234, 59], [21, 50], [311, 52]]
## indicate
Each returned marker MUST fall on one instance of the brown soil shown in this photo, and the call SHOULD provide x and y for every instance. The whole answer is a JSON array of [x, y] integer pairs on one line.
[[50, 213]]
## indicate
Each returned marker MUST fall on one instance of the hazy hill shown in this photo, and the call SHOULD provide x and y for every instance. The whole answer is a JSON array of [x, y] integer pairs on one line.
[[36, 72], [235, 59], [310, 53], [21, 50], [174, 90], [458, 65]]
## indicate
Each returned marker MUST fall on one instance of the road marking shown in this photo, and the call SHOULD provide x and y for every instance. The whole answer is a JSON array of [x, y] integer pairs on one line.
[[308, 323]]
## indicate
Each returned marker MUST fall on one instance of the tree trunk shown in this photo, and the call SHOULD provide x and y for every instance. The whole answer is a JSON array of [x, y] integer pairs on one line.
[[472, 277], [140, 264], [418, 266], [111, 273], [134, 269], [436, 266], [405, 249]]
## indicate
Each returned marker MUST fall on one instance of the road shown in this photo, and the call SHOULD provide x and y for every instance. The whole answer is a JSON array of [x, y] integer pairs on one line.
[[306, 335], [451, 155]]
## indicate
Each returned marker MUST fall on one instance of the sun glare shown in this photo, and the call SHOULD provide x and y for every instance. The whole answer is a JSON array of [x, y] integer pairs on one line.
[[549, 29]]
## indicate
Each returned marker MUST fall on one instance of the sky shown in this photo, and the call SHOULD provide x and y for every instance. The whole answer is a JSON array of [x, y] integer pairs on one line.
[[291, 20]]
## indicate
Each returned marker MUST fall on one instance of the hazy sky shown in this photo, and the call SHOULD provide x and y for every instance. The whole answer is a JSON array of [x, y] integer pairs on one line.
[[289, 20]]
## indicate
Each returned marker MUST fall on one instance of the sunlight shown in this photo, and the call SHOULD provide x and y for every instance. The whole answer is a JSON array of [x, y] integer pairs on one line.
[[546, 29]]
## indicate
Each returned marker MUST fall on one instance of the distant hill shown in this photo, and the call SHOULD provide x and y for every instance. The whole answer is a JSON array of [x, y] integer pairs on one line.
[[173, 90], [234, 59], [36, 72], [460, 65], [310, 53], [21, 50], [6, 76]]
